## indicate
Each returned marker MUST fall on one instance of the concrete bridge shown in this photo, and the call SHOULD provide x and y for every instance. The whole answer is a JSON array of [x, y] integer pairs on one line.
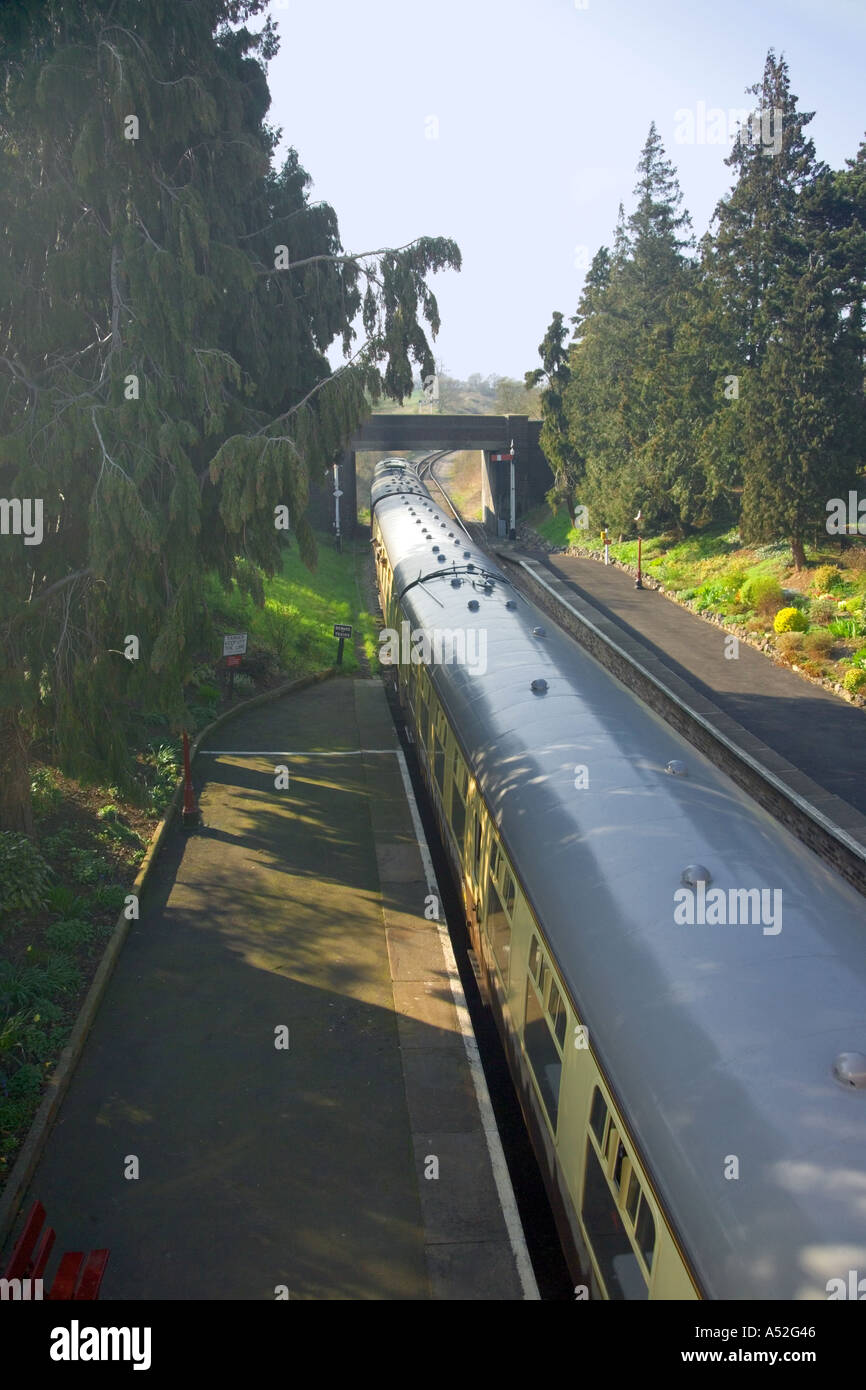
[[401, 434]]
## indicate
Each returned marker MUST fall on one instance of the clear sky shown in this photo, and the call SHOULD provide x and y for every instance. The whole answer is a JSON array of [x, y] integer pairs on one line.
[[514, 126]]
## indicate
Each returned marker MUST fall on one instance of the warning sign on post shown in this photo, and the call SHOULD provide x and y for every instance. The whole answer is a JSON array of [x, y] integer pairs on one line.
[[342, 630], [235, 644]]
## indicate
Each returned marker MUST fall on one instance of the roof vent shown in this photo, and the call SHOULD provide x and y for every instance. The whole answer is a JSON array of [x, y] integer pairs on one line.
[[539, 632], [694, 874], [676, 768], [509, 603], [473, 605], [435, 548], [455, 582], [466, 554], [539, 686], [440, 558], [849, 1068]]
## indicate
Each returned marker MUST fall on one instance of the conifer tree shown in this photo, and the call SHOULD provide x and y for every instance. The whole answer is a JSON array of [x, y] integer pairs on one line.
[[778, 271], [553, 437], [166, 302], [620, 365]]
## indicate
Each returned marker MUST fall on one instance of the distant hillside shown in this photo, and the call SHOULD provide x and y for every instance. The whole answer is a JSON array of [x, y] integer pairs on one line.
[[493, 395]]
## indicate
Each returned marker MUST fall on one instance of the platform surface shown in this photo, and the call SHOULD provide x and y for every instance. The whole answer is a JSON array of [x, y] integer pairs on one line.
[[305, 1170]]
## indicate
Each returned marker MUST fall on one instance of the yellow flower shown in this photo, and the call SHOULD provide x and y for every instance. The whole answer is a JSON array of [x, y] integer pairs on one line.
[[36, 1018]]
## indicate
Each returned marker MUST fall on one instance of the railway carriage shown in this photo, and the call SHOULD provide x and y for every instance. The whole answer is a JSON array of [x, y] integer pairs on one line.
[[694, 1089]]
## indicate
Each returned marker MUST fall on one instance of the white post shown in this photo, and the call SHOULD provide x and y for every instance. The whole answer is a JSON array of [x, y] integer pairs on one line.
[[337, 495], [512, 533]]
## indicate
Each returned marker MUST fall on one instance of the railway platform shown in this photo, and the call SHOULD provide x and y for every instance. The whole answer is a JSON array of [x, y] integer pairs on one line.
[[280, 1096]]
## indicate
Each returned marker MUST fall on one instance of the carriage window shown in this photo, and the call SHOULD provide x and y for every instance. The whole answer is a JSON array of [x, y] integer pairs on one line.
[[458, 804], [541, 1051], [557, 1012], [618, 1162], [543, 977], [439, 763], [509, 893], [478, 832], [534, 958], [598, 1115], [646, 1233], [498, 930], [494, 859], [633, 1197], [618, 1264]]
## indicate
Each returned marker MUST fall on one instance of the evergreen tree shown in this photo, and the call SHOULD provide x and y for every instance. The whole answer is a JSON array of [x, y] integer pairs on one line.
[[778, 271], [553, 437], [620, 365], [166, 302]]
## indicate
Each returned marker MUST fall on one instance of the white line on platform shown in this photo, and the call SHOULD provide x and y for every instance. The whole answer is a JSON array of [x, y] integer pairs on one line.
[[291, 753], [501, 1174]]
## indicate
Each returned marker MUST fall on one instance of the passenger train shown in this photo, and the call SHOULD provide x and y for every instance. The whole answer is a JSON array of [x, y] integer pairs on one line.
[[690, 1062]]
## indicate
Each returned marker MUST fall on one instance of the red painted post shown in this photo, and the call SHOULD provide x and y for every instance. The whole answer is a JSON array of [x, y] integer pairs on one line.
[[191, 813]]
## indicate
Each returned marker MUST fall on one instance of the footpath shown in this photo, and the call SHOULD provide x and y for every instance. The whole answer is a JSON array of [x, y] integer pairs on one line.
[[276, 1098]]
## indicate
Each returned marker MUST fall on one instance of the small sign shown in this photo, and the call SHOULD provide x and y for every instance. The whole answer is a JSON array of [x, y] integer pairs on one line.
[[342, 630], [233, 660], [235, 644], [501, 458]]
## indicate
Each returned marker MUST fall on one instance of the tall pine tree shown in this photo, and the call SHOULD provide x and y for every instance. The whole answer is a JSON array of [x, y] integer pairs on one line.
[[779, 273]]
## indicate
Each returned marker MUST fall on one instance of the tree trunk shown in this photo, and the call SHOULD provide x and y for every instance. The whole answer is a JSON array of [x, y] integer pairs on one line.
[[798, 552], [16, 808]]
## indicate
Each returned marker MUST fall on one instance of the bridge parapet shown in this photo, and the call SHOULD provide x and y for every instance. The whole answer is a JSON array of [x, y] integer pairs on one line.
[[399, 434]]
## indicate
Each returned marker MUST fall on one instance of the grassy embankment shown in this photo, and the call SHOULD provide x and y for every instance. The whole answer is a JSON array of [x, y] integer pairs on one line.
[[61, 891], [751, 586]]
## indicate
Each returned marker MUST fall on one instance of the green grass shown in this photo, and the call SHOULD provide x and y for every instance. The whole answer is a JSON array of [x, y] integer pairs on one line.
[[301, 607]]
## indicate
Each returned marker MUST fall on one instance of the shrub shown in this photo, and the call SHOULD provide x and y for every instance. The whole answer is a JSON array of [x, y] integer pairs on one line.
[[110, 897], [88, 866], [65, 901], [69, 933], [788, 644], [716, 594], [859, 658], [818, 643], [25, 877], [823, 610], [208, 694], [790, 620], [826, 577], [797, 600], [44, 793], [761, 592], [854, 680]]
